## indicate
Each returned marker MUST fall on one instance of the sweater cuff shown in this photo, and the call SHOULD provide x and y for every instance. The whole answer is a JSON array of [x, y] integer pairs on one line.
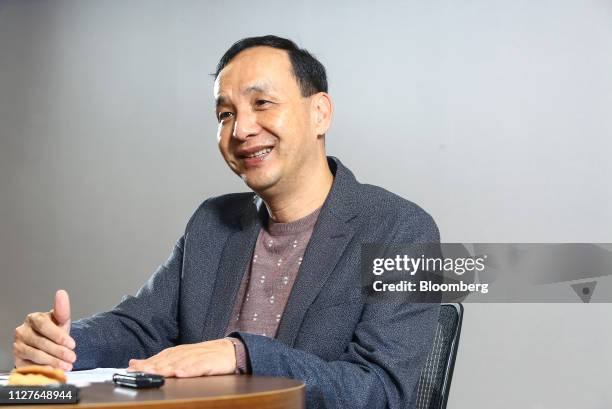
[[241, 356]]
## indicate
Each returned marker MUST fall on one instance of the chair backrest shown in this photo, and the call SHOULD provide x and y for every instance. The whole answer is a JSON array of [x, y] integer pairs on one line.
[[434, 384]]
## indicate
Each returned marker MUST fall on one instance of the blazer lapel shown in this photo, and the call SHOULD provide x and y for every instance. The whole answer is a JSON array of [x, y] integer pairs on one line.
[[235, 258], [325, 248], [328, 242]]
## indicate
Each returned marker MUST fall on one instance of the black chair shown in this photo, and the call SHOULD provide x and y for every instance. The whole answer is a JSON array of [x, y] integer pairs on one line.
[[434, 384]]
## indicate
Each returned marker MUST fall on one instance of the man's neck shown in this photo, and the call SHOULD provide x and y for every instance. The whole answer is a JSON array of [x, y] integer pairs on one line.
[[304, 197]]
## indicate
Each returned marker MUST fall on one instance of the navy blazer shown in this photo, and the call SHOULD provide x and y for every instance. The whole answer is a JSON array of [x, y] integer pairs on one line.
[[350, 354]]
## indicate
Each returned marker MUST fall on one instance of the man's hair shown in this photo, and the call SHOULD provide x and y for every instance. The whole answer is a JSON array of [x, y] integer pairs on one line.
[[308, 71]]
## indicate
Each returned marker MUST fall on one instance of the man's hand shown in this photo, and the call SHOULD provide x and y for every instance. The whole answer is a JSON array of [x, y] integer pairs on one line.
[[205, 358], [44, 337]]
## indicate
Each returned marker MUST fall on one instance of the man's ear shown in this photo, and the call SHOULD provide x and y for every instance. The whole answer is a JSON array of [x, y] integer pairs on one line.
[[322, 109]]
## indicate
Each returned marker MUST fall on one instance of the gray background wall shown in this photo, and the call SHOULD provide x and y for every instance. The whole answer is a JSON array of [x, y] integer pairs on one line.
[[494, 116]]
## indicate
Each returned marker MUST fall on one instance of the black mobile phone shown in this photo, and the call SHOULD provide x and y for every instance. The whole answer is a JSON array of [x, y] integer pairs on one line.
[[139, 380]]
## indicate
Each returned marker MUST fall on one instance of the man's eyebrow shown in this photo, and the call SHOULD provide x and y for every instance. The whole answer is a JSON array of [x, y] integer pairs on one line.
[[221, 100], [251, 89]]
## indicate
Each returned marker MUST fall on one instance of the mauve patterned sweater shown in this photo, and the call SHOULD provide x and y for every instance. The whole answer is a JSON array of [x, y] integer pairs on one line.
[[268, 281]]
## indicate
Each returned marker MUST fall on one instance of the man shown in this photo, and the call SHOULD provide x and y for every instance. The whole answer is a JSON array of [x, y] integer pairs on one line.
[[266, 283]]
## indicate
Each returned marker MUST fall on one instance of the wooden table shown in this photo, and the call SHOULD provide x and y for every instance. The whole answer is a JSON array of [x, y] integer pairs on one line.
[[218, 392]]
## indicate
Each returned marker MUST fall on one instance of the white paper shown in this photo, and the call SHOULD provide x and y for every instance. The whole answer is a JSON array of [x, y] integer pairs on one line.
[[84, 378]]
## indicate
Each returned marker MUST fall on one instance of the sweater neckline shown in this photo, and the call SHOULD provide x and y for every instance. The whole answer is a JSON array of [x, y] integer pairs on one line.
[[295, 227]]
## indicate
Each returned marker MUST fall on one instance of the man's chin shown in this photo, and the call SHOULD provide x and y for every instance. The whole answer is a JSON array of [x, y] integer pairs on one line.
[[258, 183]]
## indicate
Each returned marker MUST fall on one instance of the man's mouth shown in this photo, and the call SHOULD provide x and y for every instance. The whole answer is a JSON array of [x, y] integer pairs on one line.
[[259, 154], [255, 156]]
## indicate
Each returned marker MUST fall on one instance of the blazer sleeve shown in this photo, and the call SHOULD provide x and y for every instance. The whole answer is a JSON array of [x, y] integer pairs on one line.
[[380, 367], [140, 326], [376, 371]]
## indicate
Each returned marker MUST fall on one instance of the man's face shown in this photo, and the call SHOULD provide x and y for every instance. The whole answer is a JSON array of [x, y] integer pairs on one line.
[[266, 132]]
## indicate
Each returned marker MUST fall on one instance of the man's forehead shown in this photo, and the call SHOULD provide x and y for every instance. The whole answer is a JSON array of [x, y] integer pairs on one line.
[[260, 69], [249, 86]]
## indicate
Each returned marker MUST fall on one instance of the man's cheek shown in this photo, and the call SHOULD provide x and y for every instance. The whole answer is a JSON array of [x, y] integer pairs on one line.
[[274, 121], [225, 148]]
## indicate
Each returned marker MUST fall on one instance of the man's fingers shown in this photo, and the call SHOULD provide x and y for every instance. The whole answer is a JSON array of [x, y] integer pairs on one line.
[[141, 364], [42, 323], [157, 359], [163, 370], [26, 352], [134, 363], [154, 365], [148, 367], [44, 344], [41, 340], [181, 368], [23, 362], [61, 309], [138, 365], [190, 370]]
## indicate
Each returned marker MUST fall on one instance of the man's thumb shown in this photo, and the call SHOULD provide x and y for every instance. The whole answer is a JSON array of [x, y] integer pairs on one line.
[[61, 309]]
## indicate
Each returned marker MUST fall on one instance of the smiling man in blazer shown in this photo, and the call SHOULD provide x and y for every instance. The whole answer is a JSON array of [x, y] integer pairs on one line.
[[266, 282]]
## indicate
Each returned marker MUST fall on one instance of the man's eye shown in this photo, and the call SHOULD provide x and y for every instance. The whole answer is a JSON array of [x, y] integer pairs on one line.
[[224, 115], [261, 102]]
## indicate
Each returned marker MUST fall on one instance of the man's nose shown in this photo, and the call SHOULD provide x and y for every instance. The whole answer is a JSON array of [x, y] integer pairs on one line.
[[245, 126]]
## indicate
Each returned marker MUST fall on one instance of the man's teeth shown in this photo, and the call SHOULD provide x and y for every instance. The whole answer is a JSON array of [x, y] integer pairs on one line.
[[259, 153]]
